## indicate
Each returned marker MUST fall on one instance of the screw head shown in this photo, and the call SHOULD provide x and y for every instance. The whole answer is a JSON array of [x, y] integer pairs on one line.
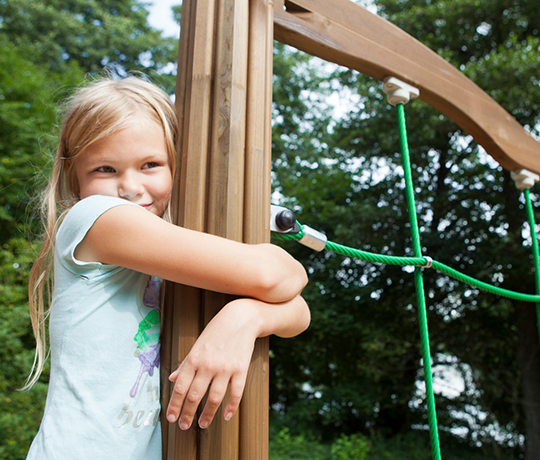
[[285, 220]]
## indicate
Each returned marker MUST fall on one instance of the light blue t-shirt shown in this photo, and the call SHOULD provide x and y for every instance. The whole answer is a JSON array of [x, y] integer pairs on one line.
[[103, 400]]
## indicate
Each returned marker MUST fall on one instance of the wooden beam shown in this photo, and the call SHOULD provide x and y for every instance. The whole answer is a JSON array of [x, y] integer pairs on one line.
[[223, 101], [343, 32]]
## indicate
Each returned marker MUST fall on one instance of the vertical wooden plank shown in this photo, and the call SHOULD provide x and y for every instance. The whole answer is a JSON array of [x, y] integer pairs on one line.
[[259, 123], [254, 408], [183, 306], [226, 174], [226, 184], [196, 113], [220, 440], [169, 342]]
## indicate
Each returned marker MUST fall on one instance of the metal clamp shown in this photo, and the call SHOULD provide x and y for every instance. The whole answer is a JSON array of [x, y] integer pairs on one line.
[[429, 262], [283, 220]]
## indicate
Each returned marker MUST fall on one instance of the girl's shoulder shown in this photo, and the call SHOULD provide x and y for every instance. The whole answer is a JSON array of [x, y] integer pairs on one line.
[[79, 220], [98, 203], [89, 209]]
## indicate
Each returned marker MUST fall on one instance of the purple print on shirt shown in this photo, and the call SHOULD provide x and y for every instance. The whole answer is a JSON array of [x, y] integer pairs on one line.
[[147, 337]]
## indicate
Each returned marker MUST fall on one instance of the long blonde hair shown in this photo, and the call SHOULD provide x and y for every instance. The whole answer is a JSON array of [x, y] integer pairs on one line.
[[94, 112]]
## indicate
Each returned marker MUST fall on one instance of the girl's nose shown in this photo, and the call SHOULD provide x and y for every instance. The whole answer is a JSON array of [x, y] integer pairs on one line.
[[129, 187]]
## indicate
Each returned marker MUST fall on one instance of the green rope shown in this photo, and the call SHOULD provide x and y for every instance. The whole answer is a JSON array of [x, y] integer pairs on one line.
[[416, 262], [419, 285], [536, 257]]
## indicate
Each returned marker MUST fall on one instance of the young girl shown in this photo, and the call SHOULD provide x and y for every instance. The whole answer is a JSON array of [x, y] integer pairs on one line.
[[108, 245]]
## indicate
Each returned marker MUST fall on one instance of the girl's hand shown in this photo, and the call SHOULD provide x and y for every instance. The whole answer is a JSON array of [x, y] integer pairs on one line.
[[220, 356]]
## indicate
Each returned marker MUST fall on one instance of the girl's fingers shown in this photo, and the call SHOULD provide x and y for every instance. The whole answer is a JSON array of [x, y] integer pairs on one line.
[[192, 399], [179, 392], [216, 393], [189, 391], [238, 383]]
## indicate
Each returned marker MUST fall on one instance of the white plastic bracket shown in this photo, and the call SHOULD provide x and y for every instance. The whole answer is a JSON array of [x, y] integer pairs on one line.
[[399, 92], [524, 179]]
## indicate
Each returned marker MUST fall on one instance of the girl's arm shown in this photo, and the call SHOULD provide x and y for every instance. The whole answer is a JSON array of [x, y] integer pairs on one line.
[[134, 238], [222, 353]]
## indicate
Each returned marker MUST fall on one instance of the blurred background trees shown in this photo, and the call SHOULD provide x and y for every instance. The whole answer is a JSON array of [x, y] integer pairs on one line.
[[337, 164], [47, 48], [354, 378]]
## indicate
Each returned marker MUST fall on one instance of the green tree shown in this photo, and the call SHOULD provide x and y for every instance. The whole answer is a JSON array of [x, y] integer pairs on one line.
[[48, 47], [27, 120], [496, 44], [95, 34], [361, 357]]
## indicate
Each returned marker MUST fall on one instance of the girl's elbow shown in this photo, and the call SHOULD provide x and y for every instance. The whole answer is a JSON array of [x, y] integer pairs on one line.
[[286, 285], [303, 276], [305, 320], [302, 319], [281, 277], [296, 282]]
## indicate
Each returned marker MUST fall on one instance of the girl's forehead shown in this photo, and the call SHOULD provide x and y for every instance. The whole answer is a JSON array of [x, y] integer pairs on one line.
[[140, 138]]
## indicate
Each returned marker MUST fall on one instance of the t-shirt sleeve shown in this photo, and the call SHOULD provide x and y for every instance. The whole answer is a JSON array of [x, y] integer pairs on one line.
[[75, 226]]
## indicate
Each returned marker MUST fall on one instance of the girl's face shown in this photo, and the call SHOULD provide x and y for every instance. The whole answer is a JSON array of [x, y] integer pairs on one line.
[[132, 164]]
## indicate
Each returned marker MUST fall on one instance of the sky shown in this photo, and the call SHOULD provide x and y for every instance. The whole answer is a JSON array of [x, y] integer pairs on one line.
[[161, 17]]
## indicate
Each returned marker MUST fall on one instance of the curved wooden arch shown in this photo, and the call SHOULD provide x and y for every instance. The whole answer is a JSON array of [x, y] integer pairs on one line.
[[347, 34]]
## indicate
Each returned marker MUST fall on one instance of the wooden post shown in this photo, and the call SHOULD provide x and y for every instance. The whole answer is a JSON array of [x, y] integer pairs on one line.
[[223, 101]]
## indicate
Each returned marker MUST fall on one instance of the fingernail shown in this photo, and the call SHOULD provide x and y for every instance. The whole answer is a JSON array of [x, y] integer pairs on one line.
[[184, 426], [171, 418], [229, 416], [203, 425]]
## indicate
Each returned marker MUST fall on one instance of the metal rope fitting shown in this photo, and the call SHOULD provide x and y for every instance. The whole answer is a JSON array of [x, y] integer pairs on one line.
[[313, 239], [399, 92]]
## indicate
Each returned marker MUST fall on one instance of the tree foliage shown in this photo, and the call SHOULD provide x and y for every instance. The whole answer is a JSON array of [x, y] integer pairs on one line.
[[48, 48], [27, 120], [360, 360], [94, 34]]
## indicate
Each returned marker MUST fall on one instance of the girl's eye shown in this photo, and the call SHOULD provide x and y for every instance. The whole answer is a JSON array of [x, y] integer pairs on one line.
[[150, 164], [105, 169]]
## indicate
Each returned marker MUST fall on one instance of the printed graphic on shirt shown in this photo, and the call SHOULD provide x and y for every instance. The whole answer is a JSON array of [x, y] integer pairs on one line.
[[135, 413], [147, 336]]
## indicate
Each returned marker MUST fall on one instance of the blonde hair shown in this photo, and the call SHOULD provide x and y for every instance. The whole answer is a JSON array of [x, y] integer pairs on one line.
[[98, 110]]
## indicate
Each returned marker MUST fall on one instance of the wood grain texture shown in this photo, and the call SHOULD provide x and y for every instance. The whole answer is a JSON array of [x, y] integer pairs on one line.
[[258, 144], [223, 101]]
